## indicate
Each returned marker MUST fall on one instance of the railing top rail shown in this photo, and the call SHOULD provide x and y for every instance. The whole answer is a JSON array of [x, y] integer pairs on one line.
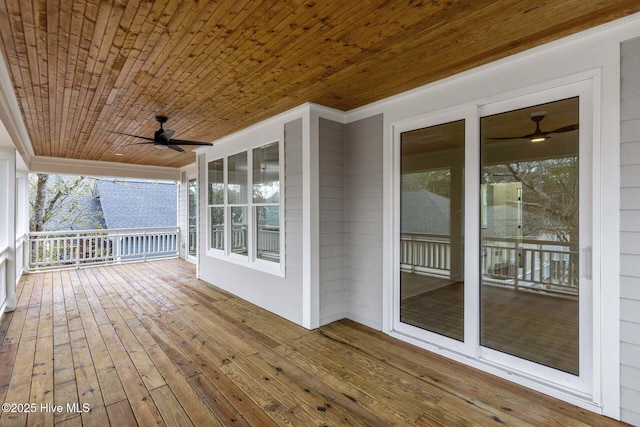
[[529, 241], [103, 231], [439, 236], [4, 251], [495, 239]]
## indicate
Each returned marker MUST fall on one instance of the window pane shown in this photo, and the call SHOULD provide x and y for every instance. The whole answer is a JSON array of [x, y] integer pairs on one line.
[[268, 233], [529, 234], [432, 229], [217, 228], [193, 217], [237, 179], [216, 182], [266, 174], [239, 230]]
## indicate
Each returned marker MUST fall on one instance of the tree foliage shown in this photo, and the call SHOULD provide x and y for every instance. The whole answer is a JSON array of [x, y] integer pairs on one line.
[[550, 195], [57, 203], [435, 181]]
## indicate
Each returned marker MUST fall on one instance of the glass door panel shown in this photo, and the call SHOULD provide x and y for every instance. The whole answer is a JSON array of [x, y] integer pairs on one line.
[[529, 228], [432, 229]]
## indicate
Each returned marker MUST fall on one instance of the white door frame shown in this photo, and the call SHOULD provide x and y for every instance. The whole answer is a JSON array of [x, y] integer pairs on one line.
[[192, 176], [585, 390]]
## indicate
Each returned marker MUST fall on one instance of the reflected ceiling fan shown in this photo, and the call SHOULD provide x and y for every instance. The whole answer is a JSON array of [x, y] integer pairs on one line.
[[539, 135], [163, 138]]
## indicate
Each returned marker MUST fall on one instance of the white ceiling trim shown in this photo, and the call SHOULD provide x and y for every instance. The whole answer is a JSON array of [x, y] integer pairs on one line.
[[98, 168], [11, 116]]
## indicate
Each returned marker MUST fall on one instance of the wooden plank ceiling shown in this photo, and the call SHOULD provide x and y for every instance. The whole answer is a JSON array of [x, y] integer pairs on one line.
[[84, 69]]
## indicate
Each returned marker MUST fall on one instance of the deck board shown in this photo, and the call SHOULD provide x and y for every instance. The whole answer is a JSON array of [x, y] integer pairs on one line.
[[149, 344]]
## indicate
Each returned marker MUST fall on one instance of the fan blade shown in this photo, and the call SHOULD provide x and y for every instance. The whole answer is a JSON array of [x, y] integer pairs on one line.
[[142, 143], [163, 136], [565, 129], [168, 133], [515, 137], [175, 147], [135, 136], [183, 142]]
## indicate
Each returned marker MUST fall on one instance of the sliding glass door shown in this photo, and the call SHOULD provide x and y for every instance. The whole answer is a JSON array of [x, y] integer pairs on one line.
[[529, 235], [432, 229], [494, 235]]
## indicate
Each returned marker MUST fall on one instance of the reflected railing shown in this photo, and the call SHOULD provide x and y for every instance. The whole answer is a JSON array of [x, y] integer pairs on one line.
[[193, 240], [425, 253], [58, 249], [532, 264], [268, 240]]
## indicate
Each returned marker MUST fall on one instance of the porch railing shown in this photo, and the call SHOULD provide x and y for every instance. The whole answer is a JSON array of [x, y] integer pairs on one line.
[[535, 264], [425, 253], [528, 263], [77, 248]]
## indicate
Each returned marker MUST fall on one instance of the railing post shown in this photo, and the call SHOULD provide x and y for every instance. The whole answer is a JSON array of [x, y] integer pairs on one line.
[[77, 250], [519, 262]]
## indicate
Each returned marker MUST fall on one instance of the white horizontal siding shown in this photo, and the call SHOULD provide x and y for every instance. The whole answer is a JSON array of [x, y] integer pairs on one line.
[[280, 295], [332, 226], [363, 220], [630, 232]]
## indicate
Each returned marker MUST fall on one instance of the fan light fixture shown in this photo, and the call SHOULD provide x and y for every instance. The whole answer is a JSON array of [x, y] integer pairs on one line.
[[538, 135]]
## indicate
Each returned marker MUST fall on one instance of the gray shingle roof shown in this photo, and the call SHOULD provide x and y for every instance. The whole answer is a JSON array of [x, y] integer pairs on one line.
[[424, 212], [137, 204]]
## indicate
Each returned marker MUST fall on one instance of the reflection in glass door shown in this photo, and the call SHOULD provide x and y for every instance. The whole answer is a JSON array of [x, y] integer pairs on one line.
[[193, 217], [529, 234], [432, 229]]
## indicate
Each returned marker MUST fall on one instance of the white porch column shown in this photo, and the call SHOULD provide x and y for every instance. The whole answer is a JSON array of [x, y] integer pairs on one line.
[[8, 222]]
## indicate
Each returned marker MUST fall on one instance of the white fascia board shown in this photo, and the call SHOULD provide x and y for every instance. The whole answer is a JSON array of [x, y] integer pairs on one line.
[[11, 116], [333, 114], [64, 166], [250, 131], [190, 169]]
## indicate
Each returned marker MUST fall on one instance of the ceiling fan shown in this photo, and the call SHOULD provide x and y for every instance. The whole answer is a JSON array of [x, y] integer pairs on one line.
[[539, 135], [162, 138]]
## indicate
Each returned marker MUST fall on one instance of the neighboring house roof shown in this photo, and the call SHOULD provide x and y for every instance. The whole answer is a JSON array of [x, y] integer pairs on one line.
[[428, 213], [424, 212], [137, 204], [77, 212]]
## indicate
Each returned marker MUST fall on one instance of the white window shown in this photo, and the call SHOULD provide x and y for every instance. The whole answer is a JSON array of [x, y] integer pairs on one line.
[[266, 201], [244, 226]]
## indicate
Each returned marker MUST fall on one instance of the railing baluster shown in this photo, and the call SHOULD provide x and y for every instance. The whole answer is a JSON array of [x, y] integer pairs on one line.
[[521, 263]]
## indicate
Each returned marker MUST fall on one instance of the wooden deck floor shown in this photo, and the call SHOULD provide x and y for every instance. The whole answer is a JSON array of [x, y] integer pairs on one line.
[[148, 344], [539, 327]]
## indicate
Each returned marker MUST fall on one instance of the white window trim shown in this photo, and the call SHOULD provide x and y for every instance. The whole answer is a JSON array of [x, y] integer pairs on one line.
[[192, 177], [250, 260]]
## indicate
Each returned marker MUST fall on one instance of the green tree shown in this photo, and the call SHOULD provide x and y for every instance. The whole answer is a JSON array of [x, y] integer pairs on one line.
[[435, 181], [55, 202], [550, 195]]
